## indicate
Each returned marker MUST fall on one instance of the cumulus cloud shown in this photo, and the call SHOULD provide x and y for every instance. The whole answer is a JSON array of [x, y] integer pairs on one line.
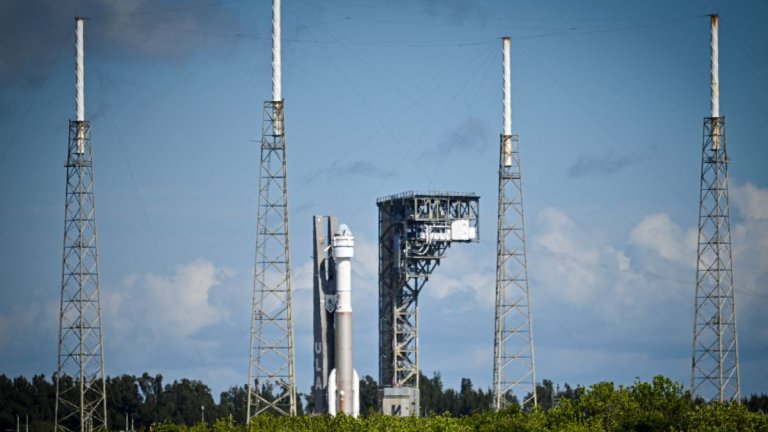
[[751, 201], [462, 277], [750, 245], [167, 307], [674, 249], [674, 245], [574, 279], [570, 266], [659, 234]]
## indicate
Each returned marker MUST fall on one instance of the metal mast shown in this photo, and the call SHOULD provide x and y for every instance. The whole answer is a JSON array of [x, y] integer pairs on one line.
[[271, 379], [514, 368], [81, 401], [715, 357]]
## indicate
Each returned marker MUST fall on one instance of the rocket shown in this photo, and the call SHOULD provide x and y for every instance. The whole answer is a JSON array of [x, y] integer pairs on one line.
[[343, 381]]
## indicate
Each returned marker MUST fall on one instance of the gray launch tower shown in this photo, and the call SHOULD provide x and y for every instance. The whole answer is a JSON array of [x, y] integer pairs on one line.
[[715, 357], [81, 400], [415, 231]]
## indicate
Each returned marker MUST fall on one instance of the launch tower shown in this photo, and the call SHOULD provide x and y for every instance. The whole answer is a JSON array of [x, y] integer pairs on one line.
[[415, 231]]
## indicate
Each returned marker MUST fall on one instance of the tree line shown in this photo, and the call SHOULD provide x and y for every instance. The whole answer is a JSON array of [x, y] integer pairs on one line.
[[141, 401]]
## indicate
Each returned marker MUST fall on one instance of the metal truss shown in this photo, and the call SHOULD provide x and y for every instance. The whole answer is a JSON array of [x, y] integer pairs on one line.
[[715, 365], [414, 234], [81, 401], [271, 378], [514, 370]]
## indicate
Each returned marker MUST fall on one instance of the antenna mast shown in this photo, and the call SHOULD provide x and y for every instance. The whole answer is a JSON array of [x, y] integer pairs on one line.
[[81, 401], [715, 357], [514, 368], [271, 378]]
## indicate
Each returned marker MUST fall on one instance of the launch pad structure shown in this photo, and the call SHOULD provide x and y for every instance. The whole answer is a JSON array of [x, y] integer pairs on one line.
[[415, 231]]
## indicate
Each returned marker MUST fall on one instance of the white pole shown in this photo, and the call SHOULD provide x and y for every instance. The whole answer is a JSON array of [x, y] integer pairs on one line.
[[715, 70], [507, 89], [277, 89], [506, 135], [79, 70], [80, 84]]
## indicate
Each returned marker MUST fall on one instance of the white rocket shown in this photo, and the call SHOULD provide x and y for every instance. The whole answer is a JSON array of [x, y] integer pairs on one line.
[[343, 382]]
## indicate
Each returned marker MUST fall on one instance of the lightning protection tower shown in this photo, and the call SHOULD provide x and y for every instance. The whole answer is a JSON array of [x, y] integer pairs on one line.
[[514, 368], [271, 380], [81, 400], [715, 358]]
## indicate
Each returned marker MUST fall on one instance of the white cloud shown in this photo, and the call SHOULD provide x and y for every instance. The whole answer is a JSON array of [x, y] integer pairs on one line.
[[464, 271], [749, 239], [366, 261], [26, 316], [751, 201], [676, 246], [659, 234], [566, 259], [571, 265], [167, 307]]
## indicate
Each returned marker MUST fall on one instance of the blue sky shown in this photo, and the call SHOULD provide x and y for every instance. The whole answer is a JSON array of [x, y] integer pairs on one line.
[[608, 99]]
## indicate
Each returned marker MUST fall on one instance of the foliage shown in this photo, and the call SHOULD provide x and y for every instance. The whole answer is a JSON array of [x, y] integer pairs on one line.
[[369, 395], [659, 405], [435, 400], [757, 403]]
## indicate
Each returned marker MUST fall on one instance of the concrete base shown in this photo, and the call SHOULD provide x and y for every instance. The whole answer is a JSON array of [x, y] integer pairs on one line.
[[399, 401]]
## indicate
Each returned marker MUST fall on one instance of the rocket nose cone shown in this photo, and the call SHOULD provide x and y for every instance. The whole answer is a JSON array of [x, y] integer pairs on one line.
[[343, 230]]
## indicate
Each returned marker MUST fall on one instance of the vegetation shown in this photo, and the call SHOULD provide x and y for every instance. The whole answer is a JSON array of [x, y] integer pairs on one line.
[[661, 405]]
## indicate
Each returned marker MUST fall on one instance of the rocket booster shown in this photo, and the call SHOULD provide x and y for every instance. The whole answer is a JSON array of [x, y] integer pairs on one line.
[[343, 388]]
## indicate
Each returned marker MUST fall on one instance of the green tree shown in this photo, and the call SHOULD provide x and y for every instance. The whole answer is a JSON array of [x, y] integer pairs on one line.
[[369, 395], [123, 397], [183, 401], [152, 393], [233, 403], [431, 394], [757, 403]]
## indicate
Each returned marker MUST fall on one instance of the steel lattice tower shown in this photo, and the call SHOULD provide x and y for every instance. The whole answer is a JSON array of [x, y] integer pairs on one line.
[[415, 231], [513, 364], [715, 357], [81, 401], [271, 378]]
